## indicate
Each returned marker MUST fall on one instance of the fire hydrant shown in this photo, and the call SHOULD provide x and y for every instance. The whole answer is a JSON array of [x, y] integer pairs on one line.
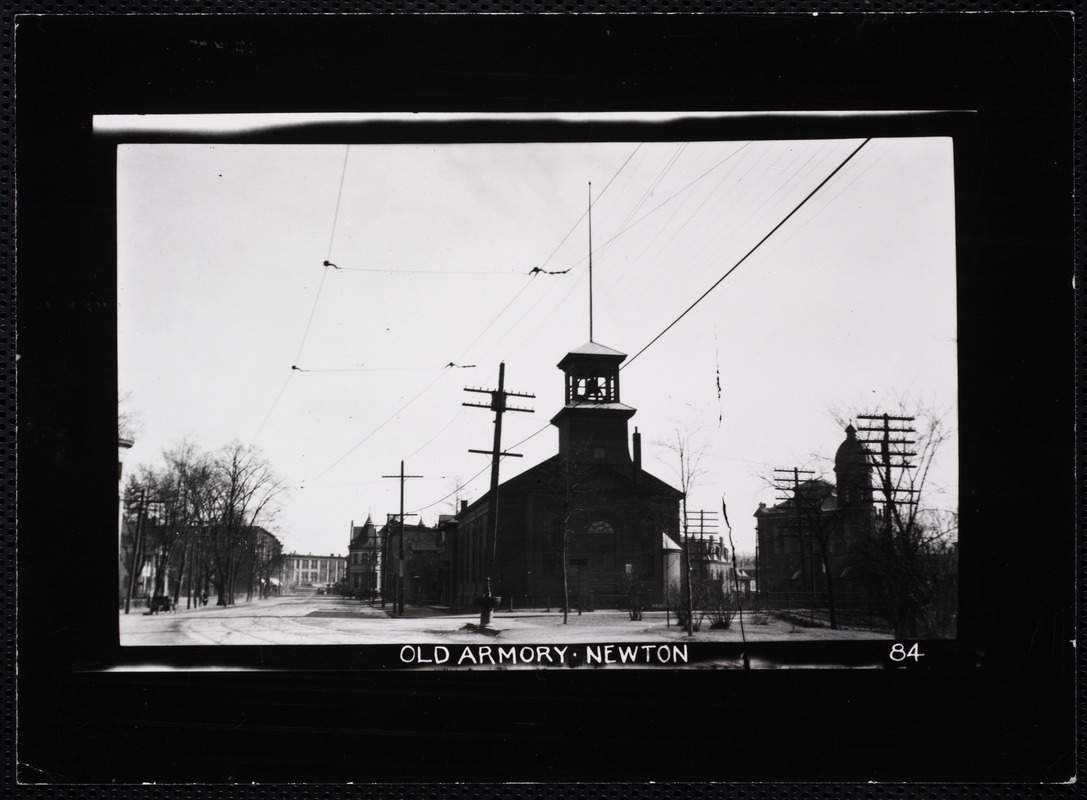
[[487, 604]]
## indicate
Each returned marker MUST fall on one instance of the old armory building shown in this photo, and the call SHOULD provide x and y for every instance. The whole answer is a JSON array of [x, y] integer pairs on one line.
[[620, 520]]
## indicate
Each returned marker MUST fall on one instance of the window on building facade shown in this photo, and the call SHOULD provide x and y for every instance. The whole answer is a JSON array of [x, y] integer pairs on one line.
[[601, 528], [599, 453]]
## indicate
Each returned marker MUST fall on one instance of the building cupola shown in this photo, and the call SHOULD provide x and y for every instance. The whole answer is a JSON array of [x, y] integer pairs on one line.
[[852, 470], [593, 422]]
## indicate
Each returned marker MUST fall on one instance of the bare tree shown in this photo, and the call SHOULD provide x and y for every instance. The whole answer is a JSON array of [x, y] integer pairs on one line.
[[565, 487], [199, 522], [903, 560], [245, 491], [128, 419], [456, 493], [687, 466]]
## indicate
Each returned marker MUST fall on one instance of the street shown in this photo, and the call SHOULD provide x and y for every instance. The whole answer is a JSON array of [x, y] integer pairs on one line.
[[320, 620]]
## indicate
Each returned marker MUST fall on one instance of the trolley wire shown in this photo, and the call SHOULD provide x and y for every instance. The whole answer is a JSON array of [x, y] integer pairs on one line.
[[749, 252]]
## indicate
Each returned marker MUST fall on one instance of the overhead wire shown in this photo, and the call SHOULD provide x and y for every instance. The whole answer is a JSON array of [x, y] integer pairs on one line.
[[296, 368], [317, 297], [455, 491], [391, 271], [552, 287], [621, 285], [372, 433], [817, 210], [328, 262], [339, 197], [501, 458], [648, 192], [273, 408], [570, 232], [736, 226], [749, 252], [603, 248], [535, 271]]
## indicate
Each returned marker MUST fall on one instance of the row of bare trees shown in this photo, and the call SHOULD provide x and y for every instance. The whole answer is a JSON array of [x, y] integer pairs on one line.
[[198, 522]]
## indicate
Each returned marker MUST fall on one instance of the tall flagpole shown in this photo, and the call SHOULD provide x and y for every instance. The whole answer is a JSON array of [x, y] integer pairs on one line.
[[590, 261]]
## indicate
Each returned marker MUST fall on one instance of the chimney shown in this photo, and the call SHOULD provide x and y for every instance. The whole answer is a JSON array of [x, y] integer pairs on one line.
[[637, 453], [463, 506]]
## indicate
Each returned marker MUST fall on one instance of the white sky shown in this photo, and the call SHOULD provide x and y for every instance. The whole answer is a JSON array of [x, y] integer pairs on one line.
[[850, 304]]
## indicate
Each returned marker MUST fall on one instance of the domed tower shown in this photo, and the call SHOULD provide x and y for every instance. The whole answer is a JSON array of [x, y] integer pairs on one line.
[[593, 423], [852, 471]]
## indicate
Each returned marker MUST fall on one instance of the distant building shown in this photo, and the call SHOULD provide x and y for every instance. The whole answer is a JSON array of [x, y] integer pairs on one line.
[[307, 571], [790, 558], [422, 567], [745, 577], [364, 559], [593, 493], [446, 535], [709, 557]]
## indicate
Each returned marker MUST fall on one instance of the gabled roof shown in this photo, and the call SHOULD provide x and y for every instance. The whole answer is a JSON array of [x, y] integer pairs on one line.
[[591, 351], [595, 349], [625, 474]]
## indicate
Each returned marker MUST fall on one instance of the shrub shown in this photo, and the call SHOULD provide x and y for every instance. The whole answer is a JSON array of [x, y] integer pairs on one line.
[[717, 604], [676, 602], [709, 601]]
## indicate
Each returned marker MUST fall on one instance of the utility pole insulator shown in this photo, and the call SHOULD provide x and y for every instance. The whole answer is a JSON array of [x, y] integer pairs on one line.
[[499, 406]]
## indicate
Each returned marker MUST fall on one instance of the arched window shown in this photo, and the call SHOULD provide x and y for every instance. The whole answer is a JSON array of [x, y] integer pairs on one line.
[[600, 528]]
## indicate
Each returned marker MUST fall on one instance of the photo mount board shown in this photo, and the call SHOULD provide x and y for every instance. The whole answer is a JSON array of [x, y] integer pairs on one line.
[[993, 705]]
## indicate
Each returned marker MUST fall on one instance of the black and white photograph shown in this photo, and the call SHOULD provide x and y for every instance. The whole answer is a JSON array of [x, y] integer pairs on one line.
[[742, 352], [593, 399]]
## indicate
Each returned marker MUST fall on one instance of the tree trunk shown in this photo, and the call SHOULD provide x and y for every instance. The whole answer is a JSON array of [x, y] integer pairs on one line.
[[180, 577], [220, 585], [830, 591], [565, 580]]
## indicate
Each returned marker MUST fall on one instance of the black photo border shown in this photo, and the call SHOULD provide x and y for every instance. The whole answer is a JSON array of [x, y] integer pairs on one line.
[[995, 705]]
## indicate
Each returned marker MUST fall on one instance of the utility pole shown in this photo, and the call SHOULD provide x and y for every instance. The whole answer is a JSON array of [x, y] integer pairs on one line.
[[707, 532], [687, 568], [783, 485], [400, 572], [885, 445], [371, 568], [499, 407]]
